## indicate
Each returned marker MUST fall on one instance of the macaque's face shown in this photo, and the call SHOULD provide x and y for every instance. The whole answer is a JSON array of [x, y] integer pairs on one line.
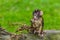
[[37, 14]]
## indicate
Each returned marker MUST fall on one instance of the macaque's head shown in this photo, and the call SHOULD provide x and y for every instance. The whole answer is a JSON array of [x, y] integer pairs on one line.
[[37, 14]]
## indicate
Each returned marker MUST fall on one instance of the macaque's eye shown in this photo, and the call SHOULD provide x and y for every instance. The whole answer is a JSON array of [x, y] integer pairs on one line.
[[35, 14]]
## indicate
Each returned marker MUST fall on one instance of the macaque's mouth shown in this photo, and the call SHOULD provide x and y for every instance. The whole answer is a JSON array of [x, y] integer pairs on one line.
[[35, 18]]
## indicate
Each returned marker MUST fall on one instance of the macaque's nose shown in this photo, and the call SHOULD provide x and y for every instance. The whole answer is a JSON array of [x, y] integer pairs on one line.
[[35, 17]]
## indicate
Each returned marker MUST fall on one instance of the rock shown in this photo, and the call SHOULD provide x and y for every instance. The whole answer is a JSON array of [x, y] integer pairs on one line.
[[5, 37], [48, 35]]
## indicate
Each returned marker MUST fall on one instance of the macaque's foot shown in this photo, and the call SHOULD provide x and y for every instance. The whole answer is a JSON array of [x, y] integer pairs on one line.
[[42, 35]]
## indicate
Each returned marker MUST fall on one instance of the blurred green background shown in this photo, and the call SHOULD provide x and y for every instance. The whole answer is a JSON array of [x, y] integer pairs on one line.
[[21, 11]]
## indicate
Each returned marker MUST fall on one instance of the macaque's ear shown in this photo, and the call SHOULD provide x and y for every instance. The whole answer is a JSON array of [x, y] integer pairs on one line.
[[41, 13]]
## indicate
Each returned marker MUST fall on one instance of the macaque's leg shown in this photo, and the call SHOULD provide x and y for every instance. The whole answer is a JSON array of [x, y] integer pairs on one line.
[[41, 31]]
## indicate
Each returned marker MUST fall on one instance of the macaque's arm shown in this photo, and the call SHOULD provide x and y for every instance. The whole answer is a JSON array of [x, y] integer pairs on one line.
[[32, 21], [42, 26], [42, 22]]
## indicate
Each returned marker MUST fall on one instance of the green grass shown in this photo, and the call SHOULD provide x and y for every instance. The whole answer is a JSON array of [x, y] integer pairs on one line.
[[21, 11]]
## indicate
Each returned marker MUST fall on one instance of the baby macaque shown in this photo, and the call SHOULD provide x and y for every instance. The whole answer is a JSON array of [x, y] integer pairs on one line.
[[37, 22]]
